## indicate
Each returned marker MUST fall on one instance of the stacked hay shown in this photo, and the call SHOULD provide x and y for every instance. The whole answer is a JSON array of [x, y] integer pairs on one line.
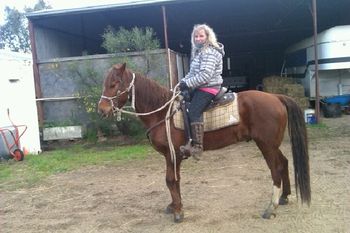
[[286, 86], [275, 84]]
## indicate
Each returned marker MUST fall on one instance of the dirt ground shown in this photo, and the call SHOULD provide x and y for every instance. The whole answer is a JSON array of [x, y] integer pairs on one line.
[[225, 192]]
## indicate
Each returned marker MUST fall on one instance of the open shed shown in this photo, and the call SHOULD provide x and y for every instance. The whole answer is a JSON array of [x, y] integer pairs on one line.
[[255, 33]]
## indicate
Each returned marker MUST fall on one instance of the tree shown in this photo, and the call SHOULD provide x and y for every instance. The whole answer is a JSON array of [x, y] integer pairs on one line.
[[14, 33], [40, 5], [135, 39]]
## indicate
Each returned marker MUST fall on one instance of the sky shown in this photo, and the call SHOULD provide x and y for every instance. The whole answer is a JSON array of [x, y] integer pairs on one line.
[[56, 4]]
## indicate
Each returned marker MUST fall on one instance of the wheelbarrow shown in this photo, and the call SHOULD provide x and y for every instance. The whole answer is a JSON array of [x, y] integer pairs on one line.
[[10, 147]]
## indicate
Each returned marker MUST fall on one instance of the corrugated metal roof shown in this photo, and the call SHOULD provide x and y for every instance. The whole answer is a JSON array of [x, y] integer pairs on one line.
[[88, 9]]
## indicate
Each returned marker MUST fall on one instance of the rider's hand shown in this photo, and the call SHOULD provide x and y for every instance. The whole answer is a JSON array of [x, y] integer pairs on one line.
[[186, 95], [183, 86]]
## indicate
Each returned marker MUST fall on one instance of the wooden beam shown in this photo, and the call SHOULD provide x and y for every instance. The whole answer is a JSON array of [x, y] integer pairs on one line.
[[38, 93], [166, 43], [317, 82], [165, 26]]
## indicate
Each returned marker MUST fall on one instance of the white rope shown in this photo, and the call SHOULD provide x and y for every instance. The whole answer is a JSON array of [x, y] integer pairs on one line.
[[175, 95], [168, 134], [167, 117], [167, 123]]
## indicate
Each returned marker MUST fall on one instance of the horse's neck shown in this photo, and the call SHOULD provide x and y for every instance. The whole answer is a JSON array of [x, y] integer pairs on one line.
[[149, 95]]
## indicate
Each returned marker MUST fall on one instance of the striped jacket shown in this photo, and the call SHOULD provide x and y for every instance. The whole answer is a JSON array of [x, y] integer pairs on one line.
[[206, 68]]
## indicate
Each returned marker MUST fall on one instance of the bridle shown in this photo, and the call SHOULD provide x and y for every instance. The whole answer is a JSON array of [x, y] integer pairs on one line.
[[119, 93]]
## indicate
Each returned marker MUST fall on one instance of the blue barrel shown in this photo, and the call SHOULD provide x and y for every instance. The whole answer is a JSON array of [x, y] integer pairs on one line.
[[342, 100]]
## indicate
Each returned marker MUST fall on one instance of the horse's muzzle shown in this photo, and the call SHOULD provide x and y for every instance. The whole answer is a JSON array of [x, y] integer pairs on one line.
[[104, 108]]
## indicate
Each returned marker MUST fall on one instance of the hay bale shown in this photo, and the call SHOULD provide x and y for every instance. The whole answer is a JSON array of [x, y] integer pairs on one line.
[[303, 102], [276, 82], [286, 86], [295, 90], [274, 89]]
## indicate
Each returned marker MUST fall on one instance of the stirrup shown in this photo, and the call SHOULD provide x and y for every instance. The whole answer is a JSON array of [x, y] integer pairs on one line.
[[185, 150]]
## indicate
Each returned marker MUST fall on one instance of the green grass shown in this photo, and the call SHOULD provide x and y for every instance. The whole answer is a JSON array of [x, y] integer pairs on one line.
[[35, 168], [317, 126], [320, 130]]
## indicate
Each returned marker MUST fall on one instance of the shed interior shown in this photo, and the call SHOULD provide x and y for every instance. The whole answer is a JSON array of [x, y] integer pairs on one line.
[[255, 33]]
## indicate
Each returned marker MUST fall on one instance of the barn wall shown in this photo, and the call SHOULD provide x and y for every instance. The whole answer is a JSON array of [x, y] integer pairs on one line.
[[53, 43], [59, 86]]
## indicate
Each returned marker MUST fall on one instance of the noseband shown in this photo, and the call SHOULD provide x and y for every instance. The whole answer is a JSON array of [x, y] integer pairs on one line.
[[119, 93]]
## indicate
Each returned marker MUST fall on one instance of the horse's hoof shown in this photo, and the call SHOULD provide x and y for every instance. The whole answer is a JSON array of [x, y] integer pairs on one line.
[[283, 201], [268, 215], [179, 217], [169, 209]]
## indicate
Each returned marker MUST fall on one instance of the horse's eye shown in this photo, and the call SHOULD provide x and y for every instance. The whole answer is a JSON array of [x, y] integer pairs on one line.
[[113, 84]]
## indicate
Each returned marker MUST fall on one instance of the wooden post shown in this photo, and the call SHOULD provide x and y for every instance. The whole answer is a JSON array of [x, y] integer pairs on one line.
[[165, 25], [38, 93], [317, 82]]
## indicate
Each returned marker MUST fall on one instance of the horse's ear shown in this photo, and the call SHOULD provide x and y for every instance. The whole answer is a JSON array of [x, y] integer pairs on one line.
[[123, 66], [120, 68]]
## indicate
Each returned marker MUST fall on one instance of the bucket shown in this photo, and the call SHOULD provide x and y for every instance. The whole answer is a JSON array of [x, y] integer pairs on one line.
[[309, 115], [311, 118]]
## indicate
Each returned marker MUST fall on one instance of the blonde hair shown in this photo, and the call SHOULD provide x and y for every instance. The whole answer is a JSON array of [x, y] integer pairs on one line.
[[211, 37]]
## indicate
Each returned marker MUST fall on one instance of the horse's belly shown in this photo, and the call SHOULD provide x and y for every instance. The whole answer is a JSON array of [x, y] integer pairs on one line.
[[224, 137]]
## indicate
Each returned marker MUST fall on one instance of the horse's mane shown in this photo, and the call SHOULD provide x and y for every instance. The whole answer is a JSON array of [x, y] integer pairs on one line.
[[153, 95]]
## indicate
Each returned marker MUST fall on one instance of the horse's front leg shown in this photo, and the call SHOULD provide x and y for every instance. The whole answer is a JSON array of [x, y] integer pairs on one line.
[[175, 207]]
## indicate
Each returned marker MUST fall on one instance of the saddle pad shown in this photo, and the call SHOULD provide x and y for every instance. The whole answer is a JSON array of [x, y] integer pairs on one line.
[[215, 118]]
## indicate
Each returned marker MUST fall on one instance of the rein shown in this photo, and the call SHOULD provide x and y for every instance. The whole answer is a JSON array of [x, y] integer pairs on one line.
[[168, 114], [148, 131]]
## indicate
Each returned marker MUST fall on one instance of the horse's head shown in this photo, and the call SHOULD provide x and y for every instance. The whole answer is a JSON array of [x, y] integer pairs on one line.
[[116, 87]]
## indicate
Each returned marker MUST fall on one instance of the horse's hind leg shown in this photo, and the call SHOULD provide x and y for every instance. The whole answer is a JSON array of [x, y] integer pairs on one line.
[[285, 180], [175, 207], [278, 165]]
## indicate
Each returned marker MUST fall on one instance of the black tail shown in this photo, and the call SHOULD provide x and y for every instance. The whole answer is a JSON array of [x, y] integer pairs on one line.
[[298, 137]]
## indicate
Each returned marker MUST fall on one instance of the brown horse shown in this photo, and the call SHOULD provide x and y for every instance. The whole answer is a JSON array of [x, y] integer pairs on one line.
[[263, 119]]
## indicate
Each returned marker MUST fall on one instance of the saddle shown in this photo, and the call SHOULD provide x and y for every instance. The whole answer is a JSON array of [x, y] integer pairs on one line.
[[221, 98], [221, 112]]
